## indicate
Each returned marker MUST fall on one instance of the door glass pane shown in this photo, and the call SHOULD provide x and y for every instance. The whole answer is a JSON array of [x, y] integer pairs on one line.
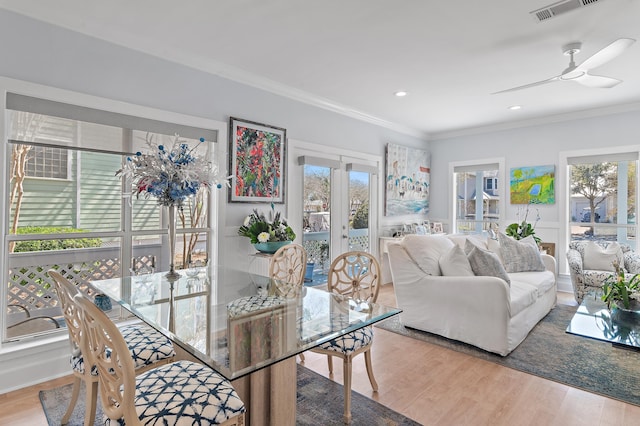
[[359, 211], [317, 221], [597, 211], [475, 214]]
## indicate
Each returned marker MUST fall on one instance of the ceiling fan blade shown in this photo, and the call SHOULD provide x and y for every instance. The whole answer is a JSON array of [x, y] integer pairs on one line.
[[526, 86], [597, 81], [606, 54]]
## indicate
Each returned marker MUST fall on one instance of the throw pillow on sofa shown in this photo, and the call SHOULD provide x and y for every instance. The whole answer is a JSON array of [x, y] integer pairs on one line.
[[425, 251], [471, 241], [486, 263], [520, 256], [598, 258], [454, 263]]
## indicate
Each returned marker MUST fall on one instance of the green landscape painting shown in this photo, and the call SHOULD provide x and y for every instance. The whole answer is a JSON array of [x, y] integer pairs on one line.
[[533, 185]]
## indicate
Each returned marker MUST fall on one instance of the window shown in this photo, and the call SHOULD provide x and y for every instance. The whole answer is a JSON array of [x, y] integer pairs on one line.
[[603, 201], [477, 200], [45, 162], [84, 223]]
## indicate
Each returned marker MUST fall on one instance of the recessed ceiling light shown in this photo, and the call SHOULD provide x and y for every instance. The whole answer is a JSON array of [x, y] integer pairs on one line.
[[515, 107], [400, 93]]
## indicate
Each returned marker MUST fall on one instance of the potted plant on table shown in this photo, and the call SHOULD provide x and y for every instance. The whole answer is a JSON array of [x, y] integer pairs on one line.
[[621, 291], [267, 236], [520, 230]]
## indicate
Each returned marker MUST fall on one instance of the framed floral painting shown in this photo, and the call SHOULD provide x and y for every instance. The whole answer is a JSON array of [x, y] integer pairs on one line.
[[256, 162]]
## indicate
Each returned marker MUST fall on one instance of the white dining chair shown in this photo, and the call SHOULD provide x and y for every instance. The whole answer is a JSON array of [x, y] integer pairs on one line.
[[147, 346], [355, 274], [179, 393]]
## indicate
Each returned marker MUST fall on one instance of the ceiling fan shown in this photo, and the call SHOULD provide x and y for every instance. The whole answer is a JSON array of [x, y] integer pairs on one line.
[[580, 73]]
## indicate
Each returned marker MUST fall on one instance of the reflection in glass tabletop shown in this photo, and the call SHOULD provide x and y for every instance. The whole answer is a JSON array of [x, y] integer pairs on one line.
[[594, 320], [238, 322]]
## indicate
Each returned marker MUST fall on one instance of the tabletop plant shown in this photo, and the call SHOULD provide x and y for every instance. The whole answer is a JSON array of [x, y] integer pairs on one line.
[[620, 289], [523, 229], [258, 229]]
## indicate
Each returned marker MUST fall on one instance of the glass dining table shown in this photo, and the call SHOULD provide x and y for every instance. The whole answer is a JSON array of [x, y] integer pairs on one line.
[[247, 327]]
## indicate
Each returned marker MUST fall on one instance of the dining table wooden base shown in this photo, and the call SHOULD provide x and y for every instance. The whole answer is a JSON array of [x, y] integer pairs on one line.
[[269, 394]]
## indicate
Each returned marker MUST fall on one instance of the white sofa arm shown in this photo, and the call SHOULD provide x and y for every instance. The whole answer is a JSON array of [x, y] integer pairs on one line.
[[550, 263], [474, 310]]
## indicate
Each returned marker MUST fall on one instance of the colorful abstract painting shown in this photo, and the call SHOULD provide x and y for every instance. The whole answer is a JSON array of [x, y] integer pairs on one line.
[[532, 185], [257, 160], [407, 181]]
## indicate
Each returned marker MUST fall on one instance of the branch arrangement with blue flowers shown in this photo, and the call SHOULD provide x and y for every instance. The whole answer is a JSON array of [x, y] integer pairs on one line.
[[171, 174]]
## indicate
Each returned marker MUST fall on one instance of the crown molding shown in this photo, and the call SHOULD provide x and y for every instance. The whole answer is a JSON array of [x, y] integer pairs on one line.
[[547, 119]]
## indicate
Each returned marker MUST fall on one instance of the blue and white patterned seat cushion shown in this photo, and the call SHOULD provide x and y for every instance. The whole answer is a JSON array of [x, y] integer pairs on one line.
[[350, 342], [247, 304], [147, 346], [184, 393]]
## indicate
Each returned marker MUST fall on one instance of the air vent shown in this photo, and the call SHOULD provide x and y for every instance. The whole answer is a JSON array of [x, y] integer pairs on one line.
[[559, 8]]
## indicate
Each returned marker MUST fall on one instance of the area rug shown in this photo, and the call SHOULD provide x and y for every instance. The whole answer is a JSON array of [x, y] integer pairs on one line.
[[551, 353], [320, 402]]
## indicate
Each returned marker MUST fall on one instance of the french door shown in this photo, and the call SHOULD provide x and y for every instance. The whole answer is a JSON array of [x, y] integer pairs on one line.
[[338, 208]]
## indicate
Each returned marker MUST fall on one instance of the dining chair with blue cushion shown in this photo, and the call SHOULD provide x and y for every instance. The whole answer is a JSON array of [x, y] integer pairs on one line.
[[180, 393], [147, 347], [354, 274], [289, 264]]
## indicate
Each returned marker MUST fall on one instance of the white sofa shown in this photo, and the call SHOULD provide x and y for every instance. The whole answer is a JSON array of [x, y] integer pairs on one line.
[[484, 311]]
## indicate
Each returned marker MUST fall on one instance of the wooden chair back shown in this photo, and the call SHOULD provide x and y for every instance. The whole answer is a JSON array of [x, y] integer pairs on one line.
[[355, 274], [289, 264], [66, 292], [107, 349]]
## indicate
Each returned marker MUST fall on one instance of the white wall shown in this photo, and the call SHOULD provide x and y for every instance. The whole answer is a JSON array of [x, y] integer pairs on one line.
[[37, 52], [534, 145]]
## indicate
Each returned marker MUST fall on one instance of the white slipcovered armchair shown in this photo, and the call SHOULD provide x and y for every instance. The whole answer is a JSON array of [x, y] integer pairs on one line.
[[591, 263]]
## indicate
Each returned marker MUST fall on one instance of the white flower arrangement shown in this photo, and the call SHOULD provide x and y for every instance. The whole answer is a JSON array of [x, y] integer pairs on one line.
[[171, 175], [258, 229]]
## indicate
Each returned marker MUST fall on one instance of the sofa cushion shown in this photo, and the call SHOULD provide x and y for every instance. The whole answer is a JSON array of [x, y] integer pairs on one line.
[[520, 256], [486, 263], [595, 278], [425, 250], [493, 245], [521, 295], [454, 263], [470, 242], [599, 258], [543, 281]]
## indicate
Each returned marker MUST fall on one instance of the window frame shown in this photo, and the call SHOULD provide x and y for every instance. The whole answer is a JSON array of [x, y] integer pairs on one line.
[[475, 165], [564, 193], [114, 107]]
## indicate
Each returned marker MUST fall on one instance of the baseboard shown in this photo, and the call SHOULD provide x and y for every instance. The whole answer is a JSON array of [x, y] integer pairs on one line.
[[564, 283], [26, 365]]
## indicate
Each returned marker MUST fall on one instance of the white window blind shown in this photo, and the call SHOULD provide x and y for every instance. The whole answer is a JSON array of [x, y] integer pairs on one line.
[[476, 168], [98, 130], [605, 158]]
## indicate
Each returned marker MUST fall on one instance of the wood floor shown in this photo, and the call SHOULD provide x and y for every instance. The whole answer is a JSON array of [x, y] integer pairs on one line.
[[430, 384]]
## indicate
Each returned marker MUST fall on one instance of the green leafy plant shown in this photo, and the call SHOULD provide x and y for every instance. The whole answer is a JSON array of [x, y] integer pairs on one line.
[[520, 230], [259, 230], [619, 288], [53, 244]]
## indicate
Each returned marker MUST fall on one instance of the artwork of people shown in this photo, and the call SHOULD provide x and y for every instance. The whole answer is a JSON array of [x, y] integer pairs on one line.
[[407, 181]]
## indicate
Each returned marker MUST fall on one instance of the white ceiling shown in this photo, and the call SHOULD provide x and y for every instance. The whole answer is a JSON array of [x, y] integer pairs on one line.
[[352, 55]]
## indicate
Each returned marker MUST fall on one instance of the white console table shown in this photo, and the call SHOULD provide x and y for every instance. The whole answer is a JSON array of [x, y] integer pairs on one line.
[[384, 258]]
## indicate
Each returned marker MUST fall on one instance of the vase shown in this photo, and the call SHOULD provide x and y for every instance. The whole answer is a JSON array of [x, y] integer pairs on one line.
[[270, 247], [634, 306], [172, 275]]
